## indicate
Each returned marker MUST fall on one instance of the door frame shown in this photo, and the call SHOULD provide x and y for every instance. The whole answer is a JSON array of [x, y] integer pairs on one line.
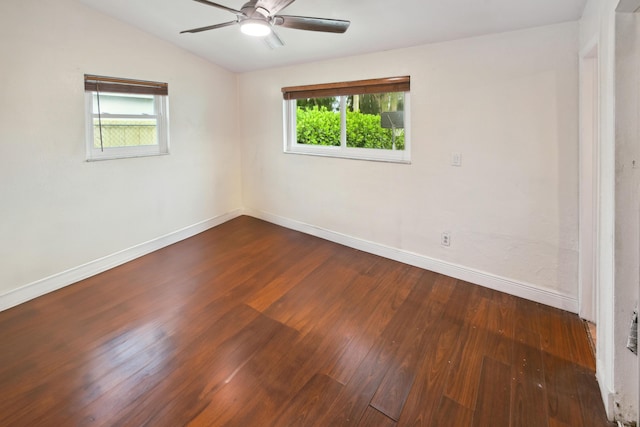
[[589, 153]]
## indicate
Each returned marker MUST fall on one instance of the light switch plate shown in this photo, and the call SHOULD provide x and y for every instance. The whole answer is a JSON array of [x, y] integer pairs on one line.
[[456, 159]]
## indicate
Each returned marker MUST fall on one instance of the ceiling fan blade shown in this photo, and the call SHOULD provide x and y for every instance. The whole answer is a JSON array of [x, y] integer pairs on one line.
[[273, 6], [219, 6], [209, 27], [312, 24], [273, 40]]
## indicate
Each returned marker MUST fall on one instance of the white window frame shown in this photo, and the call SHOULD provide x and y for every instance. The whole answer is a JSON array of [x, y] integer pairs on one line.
[[161, 115], [292, 146]]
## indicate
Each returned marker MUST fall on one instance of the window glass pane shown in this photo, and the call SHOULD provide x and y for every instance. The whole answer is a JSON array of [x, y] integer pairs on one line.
[[120, 103], [318, 121], [125, 132], [376, 121]]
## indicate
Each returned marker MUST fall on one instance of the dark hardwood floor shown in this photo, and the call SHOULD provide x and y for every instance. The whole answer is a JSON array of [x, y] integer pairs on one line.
[[250, 324]]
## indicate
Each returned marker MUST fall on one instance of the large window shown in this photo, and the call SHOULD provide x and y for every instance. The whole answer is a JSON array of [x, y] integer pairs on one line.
[[125, 118], [365, 119]]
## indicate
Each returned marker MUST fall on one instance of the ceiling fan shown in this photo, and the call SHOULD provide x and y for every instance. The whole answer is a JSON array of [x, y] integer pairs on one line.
[[259, 17]]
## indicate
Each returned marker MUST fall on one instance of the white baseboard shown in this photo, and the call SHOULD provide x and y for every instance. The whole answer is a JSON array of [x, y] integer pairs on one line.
[[68, 277], [608, 396], [73, 275], [488, 280]]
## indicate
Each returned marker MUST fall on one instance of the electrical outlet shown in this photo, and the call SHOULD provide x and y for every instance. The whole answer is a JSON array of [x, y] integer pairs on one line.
[[445, 238]]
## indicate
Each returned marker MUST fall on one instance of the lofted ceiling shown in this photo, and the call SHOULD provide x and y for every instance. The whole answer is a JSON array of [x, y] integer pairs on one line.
[[376, 25]]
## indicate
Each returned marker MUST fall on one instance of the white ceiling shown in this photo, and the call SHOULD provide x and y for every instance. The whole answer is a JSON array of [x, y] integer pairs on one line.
[[376, 25]]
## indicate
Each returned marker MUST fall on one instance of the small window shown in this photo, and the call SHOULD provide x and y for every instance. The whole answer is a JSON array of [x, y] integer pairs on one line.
[[125, 118], [365, 119]]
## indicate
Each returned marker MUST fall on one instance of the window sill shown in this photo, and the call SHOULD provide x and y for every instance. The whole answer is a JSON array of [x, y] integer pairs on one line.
[[115, 156], [372, 155]]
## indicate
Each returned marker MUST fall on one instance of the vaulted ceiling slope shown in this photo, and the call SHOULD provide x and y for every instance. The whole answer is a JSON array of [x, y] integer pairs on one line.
[[376, 25]]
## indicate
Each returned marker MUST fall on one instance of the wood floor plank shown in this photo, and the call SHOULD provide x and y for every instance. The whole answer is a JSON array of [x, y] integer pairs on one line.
[[526, 317], [466, 366], [562, 396], [450, 413], [553, 330], [215, 366], [316, 285], [487, 330], [250, 324], [304, 358], [496, 315], [591, 405], [124, 381], [492, 406], [255, 400], [310, 403], [421, 406], [465, 297], [326, 343], [579, 342], [443, 289], [275, 289], [161, 303], [528, 403], [498, 347], [217, 308], [328, 316], [369, 318], [358, 392], [392, 393], [375, 418]]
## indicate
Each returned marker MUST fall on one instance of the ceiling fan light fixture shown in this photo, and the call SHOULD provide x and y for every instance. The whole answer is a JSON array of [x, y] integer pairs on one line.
[[255, 27]]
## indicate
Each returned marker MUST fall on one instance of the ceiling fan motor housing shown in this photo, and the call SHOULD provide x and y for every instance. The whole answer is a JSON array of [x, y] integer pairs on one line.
[[254, 13], [258, 17]]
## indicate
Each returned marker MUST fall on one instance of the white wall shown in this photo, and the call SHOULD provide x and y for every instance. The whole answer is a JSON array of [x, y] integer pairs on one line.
[[59, 212], [507, 102]]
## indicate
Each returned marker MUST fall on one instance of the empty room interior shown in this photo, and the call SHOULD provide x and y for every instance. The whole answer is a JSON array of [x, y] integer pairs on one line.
[[298, 213]]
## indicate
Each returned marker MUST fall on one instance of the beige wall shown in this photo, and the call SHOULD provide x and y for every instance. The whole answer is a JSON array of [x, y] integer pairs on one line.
[[507, 102], [58, 211]]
